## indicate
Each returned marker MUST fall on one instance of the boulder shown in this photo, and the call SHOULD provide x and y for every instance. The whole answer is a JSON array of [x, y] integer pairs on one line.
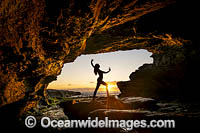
[[80, 108], [140, 102], [115, 114]]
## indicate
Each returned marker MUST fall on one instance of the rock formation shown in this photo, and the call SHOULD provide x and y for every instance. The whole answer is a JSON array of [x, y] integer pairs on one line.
[[39, 36], [133, 108], [171, 76]]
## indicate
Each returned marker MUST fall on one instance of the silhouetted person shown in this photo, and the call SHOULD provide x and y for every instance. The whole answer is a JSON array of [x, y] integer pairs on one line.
[[100, 78]]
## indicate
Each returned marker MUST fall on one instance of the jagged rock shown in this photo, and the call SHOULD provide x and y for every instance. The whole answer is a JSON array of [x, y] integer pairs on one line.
[[147, 82], [167, 78]]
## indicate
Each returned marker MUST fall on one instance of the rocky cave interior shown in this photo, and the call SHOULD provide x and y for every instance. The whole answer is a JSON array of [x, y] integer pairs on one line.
[[38, 37]]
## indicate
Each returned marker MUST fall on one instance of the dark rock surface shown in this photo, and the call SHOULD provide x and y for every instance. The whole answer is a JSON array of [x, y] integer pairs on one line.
[[184, 114], [127, 108], [171, 76], [80, 107], [140, 102]]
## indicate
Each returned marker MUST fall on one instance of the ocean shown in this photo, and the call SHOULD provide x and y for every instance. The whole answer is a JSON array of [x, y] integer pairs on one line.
[[88, 93], [101, 94]]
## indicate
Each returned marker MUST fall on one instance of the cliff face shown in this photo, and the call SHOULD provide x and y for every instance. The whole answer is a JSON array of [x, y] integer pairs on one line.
[[39, 36], [171, 76], [175, 62]]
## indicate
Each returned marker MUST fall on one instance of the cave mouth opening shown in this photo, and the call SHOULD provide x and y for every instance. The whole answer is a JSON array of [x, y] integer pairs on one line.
[[79, 75]]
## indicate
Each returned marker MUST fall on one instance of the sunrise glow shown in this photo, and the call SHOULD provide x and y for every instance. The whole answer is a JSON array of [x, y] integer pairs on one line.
[[111, 87]]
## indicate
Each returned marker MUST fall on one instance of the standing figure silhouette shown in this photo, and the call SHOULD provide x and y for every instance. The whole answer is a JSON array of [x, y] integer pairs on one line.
[[100, 78]]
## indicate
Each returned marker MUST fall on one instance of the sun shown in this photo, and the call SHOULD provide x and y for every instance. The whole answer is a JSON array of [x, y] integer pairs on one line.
[[111, 87]]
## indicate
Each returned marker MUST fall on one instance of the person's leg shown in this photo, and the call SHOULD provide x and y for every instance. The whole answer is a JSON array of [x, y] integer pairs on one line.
[[104, 83], [95, 91]]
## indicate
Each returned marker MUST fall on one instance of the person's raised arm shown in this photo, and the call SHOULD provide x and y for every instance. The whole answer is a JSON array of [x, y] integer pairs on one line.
[[92, 63], [107, 71]]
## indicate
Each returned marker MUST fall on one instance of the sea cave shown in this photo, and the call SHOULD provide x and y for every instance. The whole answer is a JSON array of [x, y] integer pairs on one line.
[[39, 36]]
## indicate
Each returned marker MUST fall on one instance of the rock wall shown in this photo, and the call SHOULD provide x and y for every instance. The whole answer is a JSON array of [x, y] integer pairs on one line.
[[39, 36], [172, 74]]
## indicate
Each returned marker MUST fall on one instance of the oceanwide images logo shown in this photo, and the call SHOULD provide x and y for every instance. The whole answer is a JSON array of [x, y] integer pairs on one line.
[[46, 122]]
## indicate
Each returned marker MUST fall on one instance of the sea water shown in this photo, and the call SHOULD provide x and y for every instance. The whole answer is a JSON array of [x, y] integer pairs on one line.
[[99, 93]]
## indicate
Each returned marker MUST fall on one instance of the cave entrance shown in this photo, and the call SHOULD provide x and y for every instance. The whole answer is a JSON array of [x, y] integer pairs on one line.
[[79, 76]]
